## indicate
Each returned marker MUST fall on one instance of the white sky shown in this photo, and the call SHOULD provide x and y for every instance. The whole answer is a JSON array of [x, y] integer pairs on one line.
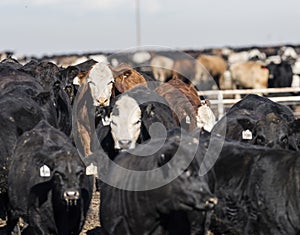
[[38, 27]]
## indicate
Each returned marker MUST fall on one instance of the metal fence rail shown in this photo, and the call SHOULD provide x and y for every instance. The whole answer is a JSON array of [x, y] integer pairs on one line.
[[217, 100]]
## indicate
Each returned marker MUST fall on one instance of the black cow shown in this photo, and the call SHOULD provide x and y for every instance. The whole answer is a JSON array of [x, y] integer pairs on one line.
[[67, 76], [48, 186], [258, 191], [280, 75], [127, 207], [23, 104], [49, 77], [270, 124]]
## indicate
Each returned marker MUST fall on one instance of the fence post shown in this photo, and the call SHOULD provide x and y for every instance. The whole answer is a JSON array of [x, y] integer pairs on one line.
[[220, 105]]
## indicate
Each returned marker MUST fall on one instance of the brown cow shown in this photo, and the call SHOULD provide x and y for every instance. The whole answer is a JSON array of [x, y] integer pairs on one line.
[[215, 66], [186, 104], [126, 78], [184, 69]]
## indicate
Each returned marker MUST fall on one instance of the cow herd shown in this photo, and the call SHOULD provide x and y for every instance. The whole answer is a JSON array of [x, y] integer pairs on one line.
[[144, 138]]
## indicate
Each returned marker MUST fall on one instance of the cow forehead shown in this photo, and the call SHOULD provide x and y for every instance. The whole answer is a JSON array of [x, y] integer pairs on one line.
[[126, 107], [100, 74]]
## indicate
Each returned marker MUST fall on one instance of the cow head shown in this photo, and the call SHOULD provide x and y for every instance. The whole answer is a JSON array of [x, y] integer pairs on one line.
[[100, 81], [271, 131], [189, 191], [125, 123], [68, 177]]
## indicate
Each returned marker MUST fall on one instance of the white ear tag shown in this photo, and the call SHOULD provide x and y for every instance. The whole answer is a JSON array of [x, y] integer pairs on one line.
[[45, 171], [91, 170], [76, 81], [247, 135], [106, 121], [188, 120]]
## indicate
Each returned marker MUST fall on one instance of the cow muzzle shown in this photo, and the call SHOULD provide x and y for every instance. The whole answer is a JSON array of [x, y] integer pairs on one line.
[[71, 197], [125, 144], [211, 203]]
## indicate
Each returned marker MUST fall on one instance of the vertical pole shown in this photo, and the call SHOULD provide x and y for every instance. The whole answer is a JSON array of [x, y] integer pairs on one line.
[[138, 23]]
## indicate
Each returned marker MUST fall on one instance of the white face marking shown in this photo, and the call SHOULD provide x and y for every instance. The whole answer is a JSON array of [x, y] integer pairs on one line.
[[100, 80], [205, 118], [125, 123]]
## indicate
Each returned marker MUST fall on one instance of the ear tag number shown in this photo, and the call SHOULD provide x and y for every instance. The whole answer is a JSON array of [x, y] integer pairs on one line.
[[188, 120], [91, 170], [45, 171], [247, 135], [106, 121]]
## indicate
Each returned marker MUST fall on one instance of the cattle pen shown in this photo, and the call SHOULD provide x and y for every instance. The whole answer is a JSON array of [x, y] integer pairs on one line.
[[220, 102]]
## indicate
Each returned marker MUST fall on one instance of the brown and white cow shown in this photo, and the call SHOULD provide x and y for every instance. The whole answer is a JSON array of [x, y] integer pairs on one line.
[[186, 105], [96, 85]]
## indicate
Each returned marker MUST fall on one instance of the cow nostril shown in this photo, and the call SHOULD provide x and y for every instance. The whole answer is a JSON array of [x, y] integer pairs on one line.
[[211, 203], [71, 195], [125, 143]]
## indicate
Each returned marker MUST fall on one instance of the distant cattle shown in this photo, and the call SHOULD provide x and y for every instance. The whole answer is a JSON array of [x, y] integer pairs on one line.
[[246, 55], [49, 190], [258, 191], [215, 66], [185, 69], [162, 67], [259, 121], [251, 74], [162, 210], [280, 75]]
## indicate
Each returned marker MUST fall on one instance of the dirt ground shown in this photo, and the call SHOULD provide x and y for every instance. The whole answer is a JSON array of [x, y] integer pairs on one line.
[[92, 224]]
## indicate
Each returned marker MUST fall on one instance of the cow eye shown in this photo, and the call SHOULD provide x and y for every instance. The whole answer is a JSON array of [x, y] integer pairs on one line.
[[137, 122], [284, 140], [187, 172], [79, 173], [260, 140], [111, 82]]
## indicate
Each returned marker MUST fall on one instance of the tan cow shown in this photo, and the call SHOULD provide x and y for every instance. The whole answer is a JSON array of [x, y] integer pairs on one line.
[[161, 67], [215, 66], [250, 74]]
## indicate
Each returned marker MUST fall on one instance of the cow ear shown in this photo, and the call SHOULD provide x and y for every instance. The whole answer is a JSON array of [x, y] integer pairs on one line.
[[127, 73], [163, 159], [246, 123]]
